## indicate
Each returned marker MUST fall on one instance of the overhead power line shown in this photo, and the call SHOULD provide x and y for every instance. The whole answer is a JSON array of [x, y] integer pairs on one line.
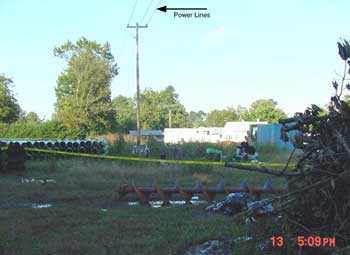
[[147, 10], [154, 11], [133, 11]]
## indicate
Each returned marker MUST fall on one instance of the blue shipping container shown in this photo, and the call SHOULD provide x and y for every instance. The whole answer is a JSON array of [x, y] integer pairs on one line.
[[270, 134]]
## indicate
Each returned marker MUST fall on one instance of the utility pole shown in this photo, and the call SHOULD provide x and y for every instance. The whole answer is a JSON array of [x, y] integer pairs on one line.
[[137, 27], [170, 120], [169, 108]]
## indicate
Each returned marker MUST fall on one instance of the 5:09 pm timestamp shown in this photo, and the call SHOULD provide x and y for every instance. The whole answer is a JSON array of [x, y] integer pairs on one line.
[[305, 241]]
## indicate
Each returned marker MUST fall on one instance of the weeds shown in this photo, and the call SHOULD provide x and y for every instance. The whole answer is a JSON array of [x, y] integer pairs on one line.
[[76, 225]]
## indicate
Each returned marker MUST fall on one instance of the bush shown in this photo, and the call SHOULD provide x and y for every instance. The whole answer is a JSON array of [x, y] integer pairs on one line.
[[156, 147], [46, 130], [118, 147]]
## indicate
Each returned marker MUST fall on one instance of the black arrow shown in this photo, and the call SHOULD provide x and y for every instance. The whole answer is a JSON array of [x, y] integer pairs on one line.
[[165, 9]]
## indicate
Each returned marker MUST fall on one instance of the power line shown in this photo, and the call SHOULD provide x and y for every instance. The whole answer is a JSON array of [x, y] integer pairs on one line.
[[133, 11], [154, 11], [147, 10]]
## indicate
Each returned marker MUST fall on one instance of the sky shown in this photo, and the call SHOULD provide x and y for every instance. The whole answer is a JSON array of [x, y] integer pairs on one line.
[[247, 50]]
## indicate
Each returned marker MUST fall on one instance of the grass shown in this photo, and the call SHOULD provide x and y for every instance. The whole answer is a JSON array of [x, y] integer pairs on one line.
[[129, 160], [270, 153], [189, 150], [196, 151], [76, 225]]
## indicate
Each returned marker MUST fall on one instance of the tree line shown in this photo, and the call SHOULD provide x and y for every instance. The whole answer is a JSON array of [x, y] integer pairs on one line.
[[84, 106]]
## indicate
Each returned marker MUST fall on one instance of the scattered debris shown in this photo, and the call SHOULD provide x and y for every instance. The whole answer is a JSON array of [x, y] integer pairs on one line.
[[243, 239], [156, 204], [260, 207], [41, 206], [159, 203], [232, 204], [239, 201], [211, 247], [37, 180]]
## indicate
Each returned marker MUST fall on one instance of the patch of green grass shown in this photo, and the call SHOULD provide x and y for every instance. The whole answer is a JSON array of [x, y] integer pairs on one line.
[[270, 153], [141, 161], [121, 230], [190, 150], [76, 225]]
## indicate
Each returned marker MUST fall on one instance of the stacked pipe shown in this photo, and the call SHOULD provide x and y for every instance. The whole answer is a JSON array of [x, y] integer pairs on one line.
[[144, 193], [79, 146]]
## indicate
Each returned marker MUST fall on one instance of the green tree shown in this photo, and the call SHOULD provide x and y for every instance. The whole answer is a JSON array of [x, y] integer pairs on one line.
[[32, 117], [39, 130], [158, 106], [125, 117], [242, 112], [218, 118], [264, 110], [196, 119], [83, 89], [9, 108]]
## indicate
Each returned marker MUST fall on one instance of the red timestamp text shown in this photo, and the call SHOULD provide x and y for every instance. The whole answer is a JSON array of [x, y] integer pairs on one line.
[[316, 241], [277, 241]]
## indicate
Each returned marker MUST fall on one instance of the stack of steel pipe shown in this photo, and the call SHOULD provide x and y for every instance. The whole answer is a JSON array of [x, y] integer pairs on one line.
[[145, 192], [79, 146]]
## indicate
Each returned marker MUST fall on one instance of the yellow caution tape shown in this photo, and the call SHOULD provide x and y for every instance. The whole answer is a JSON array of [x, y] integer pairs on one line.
[[152, 160]]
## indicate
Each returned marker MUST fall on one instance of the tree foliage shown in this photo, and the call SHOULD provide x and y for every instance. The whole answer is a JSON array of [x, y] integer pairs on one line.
[[155, 108], [242, 112], [196, 119], [264, 110], [9, 108], [83, 89], [218, 118], [84, 106], [32, 117], [41, 130], [125, 117]]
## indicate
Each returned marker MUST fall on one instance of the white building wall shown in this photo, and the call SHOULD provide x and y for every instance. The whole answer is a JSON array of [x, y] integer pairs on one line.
[[232, 131]]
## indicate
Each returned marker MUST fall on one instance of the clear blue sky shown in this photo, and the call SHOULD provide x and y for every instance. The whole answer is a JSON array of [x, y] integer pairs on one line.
[[285, 50]]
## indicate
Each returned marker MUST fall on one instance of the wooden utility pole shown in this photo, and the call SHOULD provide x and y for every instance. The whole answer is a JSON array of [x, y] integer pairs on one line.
[[137, 27], [170, 120]]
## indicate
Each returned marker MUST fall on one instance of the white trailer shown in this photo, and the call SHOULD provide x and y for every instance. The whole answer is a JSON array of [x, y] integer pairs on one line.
[[232, 131]]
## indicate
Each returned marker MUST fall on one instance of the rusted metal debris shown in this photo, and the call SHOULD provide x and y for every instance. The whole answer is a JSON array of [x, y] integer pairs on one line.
[[144, 193]]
